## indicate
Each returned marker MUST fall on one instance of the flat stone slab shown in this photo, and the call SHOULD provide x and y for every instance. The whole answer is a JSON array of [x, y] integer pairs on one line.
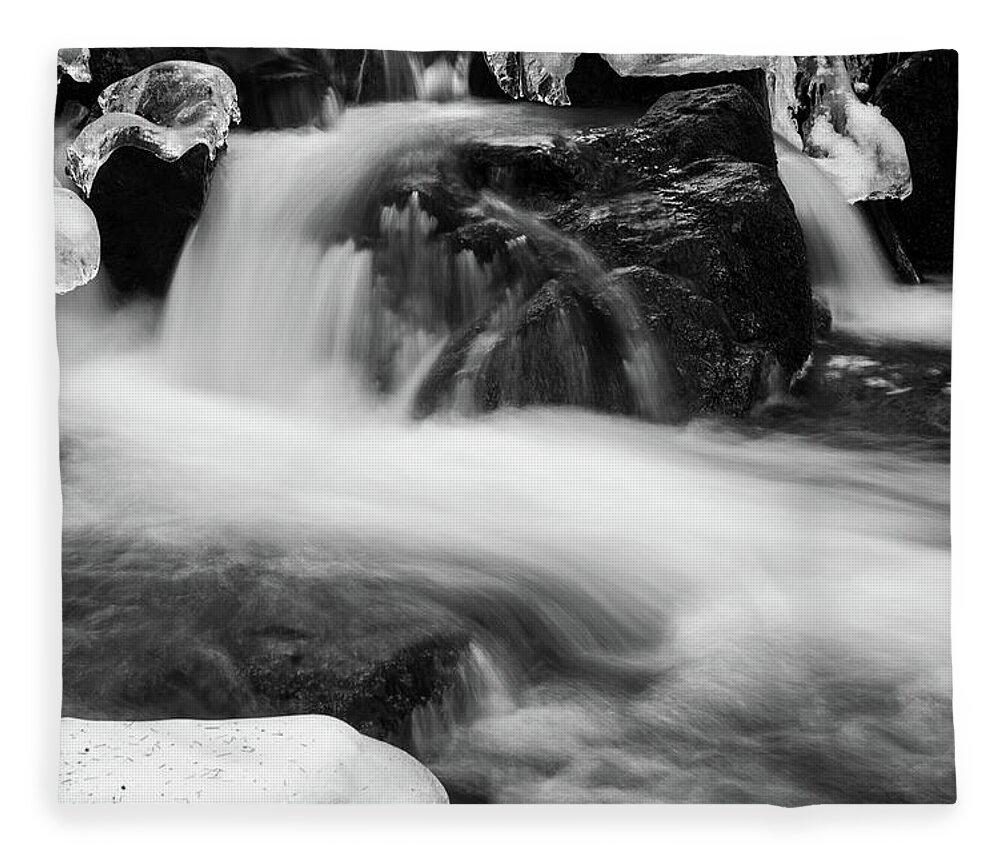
[[298, 759]]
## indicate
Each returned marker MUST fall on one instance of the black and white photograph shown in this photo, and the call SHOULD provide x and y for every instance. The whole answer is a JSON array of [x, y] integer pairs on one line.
[[505, 427]]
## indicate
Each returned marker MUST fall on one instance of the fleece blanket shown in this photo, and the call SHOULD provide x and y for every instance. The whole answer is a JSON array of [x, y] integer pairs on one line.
[[505, 427]]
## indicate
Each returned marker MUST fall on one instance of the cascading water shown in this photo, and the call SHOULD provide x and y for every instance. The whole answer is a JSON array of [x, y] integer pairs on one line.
[[655, 613], [849, 268]]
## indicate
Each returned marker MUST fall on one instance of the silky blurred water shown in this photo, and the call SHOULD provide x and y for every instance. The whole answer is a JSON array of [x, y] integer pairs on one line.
[[674, 614]]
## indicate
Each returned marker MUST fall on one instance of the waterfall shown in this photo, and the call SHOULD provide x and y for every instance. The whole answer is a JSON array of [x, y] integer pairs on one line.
[[282, 293], [275, 297], [849, 268], [653, 613]]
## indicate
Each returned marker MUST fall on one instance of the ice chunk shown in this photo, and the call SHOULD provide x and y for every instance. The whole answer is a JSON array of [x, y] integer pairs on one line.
[[74, 62], [655, 65], [781, 75], [538, 77], [78, 242], [167, 108], [175, 92], [851, 141]]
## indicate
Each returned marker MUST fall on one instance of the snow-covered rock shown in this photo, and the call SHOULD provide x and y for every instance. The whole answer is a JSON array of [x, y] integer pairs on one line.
[[303, 759], [78, 241], [167, 109]]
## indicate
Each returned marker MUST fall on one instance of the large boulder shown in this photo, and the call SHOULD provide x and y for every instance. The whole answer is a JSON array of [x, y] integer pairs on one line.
[[920, 97], [298, 759], [692, 268]]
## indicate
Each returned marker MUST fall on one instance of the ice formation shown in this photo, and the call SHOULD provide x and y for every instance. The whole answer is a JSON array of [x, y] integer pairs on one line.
[[860, 149], [74, 62], [78, 242], [538, 77], [167, 108], [541, 77], [851, 141]]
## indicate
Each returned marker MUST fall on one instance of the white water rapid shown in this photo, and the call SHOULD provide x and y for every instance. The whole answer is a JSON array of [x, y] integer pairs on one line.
[[849, 268]]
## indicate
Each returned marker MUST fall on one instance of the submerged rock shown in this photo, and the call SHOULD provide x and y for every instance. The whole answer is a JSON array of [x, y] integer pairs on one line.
[[296, 759], [199, 636], [78, 241]]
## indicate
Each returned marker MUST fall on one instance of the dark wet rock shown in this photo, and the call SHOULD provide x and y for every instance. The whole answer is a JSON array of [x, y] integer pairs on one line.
[[822, 318], [482, 82], [878, 214], [730, 229], [711, 371], [867, 70], [920, 97], [488, 238], [548, 167], [564, 348], [716, 122], [688, 202], [144, 208]]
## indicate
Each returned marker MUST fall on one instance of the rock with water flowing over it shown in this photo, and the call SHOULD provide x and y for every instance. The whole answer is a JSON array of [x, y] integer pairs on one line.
[[167, 109], [297, 759], [146, 165], [207, 636], [74, 62], [920, 97], [78, 241], [685, 205]]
